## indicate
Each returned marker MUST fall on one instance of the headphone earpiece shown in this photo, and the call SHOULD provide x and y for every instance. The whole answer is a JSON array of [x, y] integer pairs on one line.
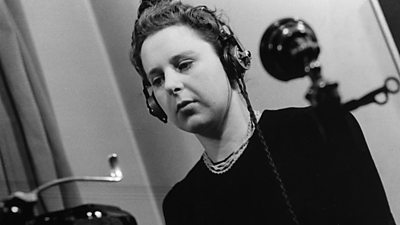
[[152, 104], [236, 58]]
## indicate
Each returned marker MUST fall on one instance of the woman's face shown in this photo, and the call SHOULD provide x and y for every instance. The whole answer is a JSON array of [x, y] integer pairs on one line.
[[187, 78]]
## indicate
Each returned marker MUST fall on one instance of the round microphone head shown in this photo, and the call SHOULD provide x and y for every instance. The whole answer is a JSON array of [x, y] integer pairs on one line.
[[287, 48]]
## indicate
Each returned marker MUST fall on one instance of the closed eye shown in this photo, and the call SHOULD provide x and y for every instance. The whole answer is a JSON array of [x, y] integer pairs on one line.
[[184, 65], [156, 77], [157, 81]]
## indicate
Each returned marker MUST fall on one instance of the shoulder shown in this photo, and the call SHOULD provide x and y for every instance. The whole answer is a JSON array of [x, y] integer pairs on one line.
[[307, 126], [286, 116], [301, 116], [291, 111], [177, 192], [173, 197], [299, 127], [179, 197], [174, 204]]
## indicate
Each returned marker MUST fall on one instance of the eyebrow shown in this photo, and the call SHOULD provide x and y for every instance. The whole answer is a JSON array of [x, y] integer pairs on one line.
[[181, 55]]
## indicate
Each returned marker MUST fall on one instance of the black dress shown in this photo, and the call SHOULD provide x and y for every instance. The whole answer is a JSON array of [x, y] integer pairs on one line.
[[326, 167]]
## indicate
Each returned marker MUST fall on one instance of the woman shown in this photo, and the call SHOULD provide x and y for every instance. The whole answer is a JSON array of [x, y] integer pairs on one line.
[[274, 168]]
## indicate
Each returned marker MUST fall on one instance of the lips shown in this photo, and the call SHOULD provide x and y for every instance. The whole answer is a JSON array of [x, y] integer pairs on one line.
[[183, 104]]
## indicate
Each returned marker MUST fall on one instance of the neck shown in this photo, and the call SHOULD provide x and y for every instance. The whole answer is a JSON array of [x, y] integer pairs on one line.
[[230, 133]]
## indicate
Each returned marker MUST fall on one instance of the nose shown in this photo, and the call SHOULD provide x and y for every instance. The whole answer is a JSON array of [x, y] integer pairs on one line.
[[173, 81]]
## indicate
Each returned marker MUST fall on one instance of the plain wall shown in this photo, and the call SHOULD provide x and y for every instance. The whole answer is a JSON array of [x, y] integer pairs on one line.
[[83, 49], [89, 110]]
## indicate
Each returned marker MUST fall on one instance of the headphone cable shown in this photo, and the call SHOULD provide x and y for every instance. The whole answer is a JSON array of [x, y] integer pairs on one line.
[[271, 162]]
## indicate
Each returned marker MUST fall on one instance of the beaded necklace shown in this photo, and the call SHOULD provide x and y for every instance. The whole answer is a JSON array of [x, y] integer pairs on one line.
[[224, 165]]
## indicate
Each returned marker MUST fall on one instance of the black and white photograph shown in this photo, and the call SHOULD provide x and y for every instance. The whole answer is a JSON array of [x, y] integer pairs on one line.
[[199, 112]]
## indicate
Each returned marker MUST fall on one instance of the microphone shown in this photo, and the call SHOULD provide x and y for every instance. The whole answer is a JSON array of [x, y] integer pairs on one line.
[[289, 49]]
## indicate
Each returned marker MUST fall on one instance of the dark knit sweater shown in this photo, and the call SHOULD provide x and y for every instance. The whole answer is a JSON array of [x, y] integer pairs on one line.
[[325, 166]]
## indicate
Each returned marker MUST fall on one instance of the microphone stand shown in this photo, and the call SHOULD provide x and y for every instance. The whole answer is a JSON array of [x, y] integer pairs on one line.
[[325, 94], [321, 93], [325, 99]]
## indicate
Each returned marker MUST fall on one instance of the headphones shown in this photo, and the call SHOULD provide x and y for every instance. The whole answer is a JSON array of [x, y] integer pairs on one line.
[[235, 59]]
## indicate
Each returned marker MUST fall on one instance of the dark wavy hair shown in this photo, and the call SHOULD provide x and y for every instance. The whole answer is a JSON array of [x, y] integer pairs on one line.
[[154, 16]]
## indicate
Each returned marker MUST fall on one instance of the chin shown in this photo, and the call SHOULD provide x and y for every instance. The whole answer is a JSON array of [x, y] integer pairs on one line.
[[194, 124]]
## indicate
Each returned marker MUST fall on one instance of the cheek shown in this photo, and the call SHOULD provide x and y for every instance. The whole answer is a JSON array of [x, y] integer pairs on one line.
[[218, 82], [166, 104], [161, 99]]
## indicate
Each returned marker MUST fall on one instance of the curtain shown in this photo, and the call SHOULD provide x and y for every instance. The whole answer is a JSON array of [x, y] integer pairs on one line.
[[31, 150]]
